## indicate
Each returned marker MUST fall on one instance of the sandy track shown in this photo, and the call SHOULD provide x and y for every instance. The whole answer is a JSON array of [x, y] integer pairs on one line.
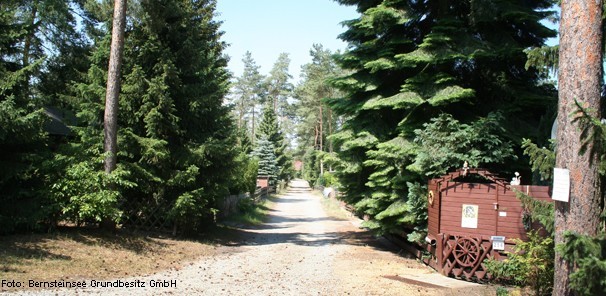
[[301, 251]]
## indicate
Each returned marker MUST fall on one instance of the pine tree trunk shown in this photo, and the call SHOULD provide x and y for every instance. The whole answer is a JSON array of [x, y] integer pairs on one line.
[[321, 138], [241, 114], [27, 47], [580, 78], [330, 148], [253, 126], [113, 91], [113, 85]]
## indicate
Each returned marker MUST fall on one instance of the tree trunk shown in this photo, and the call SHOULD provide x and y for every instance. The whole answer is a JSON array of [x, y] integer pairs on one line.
[[321, 138], [330, 148], [113, 92], [276, 104], [241, 113], [27, 47], [580, 78], [253, 125]]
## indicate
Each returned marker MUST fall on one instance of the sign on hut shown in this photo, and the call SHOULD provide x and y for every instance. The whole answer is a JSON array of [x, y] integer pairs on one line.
[[474, 215]]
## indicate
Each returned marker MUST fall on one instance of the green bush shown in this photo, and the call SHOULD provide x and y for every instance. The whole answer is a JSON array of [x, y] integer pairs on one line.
[[246, 205], [531, 264], [327, 180], [245, 177]]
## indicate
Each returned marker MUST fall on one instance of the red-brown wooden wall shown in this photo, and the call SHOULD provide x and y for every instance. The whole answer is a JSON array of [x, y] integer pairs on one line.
[[491, 199]]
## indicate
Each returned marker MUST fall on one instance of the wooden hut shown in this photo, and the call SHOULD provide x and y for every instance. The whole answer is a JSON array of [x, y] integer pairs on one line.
[[469, 222]]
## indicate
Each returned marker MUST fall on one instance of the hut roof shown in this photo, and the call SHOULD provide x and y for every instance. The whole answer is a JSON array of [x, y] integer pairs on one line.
[[494, 178]]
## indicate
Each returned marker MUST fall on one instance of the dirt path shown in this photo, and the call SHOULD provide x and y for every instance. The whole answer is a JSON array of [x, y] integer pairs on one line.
[[301, 251]]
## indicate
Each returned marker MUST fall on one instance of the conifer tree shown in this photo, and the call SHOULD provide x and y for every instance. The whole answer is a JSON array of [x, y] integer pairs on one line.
[[249, 94], [316, 121], [580, 83], [182, 131], [178, 149], [270, 129], [410, 61], [31, 31], [268, 163], [278, 86]]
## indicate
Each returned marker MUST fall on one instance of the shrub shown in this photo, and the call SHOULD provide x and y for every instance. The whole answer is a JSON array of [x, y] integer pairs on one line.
[[531, 264]]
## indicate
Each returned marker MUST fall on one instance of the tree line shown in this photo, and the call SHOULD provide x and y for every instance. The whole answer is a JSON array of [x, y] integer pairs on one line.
[[178, 150]]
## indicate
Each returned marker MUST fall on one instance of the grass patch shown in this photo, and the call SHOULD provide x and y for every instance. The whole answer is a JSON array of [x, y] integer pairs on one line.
[[250, 213], [332, 207], [78, 254]]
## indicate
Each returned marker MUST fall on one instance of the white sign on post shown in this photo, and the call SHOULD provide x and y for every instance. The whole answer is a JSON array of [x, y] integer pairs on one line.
[[498, 243], [561, 184]]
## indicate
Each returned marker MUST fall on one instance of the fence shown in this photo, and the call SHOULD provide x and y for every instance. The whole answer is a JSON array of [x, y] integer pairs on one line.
[[150, 215]]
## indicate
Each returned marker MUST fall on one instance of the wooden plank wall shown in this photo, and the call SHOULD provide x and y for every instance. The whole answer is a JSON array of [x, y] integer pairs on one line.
[[500, 212], [454, 195], [511, 225]]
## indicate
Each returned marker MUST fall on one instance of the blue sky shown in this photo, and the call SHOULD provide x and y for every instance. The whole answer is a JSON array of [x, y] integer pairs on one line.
[[267, 28]]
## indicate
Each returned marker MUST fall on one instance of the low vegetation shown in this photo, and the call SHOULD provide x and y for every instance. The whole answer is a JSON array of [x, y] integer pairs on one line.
[[251, 213]]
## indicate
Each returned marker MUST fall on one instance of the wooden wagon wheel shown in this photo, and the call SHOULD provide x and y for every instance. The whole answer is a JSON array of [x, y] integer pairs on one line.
[[430, 197], [466, 252]]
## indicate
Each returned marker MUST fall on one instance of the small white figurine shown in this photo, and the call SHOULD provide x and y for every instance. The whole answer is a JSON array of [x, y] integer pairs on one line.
[[465, 168], [515, 180]]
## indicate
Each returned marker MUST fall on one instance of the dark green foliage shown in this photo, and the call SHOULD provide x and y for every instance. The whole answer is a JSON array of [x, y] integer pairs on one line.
[[539, 211], [409, 62], [177, 146], [593, 131], [184, 146], [311, 165], [542, 159], [178, 153], [244, 178], [589, 257], [544, 57], [80, 188], [445, 143], [23, 140], [328, 180]]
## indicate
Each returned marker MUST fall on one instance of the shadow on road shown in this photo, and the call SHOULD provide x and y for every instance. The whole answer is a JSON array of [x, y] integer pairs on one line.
[[301, 230]]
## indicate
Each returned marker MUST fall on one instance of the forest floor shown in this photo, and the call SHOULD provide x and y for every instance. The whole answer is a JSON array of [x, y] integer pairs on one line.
[[308, 246]]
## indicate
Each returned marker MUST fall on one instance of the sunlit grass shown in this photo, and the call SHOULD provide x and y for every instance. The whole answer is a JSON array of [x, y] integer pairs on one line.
[[332, 207], [253, 214]]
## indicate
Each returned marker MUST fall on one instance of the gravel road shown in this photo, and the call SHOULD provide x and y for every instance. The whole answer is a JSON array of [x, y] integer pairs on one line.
[[301, 251]]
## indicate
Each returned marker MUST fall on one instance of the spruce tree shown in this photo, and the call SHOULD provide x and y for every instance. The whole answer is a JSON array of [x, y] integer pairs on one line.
[[31, 31], [182, 132], [270, 129], [178, 149], [409, 61], [268, 163]]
